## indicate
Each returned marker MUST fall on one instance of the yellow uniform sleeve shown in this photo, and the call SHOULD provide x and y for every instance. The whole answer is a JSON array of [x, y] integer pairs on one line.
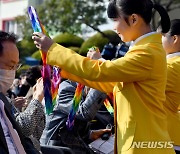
[[106, 87], [135, 66]]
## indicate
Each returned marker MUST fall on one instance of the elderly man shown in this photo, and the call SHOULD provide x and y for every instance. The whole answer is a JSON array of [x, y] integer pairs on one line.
[[12, 139]]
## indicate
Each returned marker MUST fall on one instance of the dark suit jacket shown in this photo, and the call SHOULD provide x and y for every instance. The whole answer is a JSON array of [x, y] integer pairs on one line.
[[26, 142], [56, 133]]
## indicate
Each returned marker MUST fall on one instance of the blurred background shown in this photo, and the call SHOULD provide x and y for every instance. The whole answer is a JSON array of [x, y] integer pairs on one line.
[[76, 24]]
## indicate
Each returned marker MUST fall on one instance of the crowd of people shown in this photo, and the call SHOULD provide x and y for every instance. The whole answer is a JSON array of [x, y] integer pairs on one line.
[[142, 77]]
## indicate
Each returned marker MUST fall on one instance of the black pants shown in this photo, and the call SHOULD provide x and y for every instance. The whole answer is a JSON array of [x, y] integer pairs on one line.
[[177, 152]]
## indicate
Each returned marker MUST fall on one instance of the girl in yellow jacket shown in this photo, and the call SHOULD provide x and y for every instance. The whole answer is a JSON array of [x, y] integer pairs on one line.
[[137, 80], [171, 44]]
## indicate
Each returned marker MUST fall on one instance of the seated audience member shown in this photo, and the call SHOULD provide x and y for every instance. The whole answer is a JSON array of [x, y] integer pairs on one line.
[[171, 44], [29, 77], [111, 51], [23, 87], [56, 132], [32, 75], [14, 89], [12, 139], [32, 119]]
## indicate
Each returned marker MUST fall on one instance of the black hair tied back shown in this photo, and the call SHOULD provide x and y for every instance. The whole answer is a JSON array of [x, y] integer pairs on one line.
[[165, 20], [140, 7]]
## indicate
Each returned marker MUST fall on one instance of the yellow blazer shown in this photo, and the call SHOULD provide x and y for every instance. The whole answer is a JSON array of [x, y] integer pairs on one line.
[[173, 98], [138, 81]]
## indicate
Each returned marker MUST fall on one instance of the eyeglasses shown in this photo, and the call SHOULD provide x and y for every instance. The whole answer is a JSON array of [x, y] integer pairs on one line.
[[16, 67]]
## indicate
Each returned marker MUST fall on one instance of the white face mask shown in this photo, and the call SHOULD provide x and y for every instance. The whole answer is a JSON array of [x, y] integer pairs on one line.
[[6, 79]]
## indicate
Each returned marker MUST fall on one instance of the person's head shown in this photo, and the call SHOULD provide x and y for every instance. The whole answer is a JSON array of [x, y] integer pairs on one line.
[[132, 17], [23, 79], [32, 75], [171, 40], [16, 82], [9, 59]]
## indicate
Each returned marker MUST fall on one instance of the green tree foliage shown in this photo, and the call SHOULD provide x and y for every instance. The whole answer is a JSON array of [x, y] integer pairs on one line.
[[26, 48], [22, 70], [26, 45], [25, 26], [75, 16], [36, 55], [67, 40], [76, 49], [99, 41], [70, 15]]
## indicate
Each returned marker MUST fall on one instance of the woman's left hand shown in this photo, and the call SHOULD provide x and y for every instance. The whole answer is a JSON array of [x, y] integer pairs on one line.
[[93, 54]]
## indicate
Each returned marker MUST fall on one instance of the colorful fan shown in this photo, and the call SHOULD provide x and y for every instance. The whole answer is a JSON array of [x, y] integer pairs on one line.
[[49, 92]]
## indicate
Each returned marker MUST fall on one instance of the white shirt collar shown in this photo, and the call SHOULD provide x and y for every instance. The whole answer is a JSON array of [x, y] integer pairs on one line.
[[173, 55], [142, 37]]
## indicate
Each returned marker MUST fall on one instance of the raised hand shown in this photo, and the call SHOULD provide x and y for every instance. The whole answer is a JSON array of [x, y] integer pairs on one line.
[[41, 41], [93, 53], [38, 90], [19, 102]]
